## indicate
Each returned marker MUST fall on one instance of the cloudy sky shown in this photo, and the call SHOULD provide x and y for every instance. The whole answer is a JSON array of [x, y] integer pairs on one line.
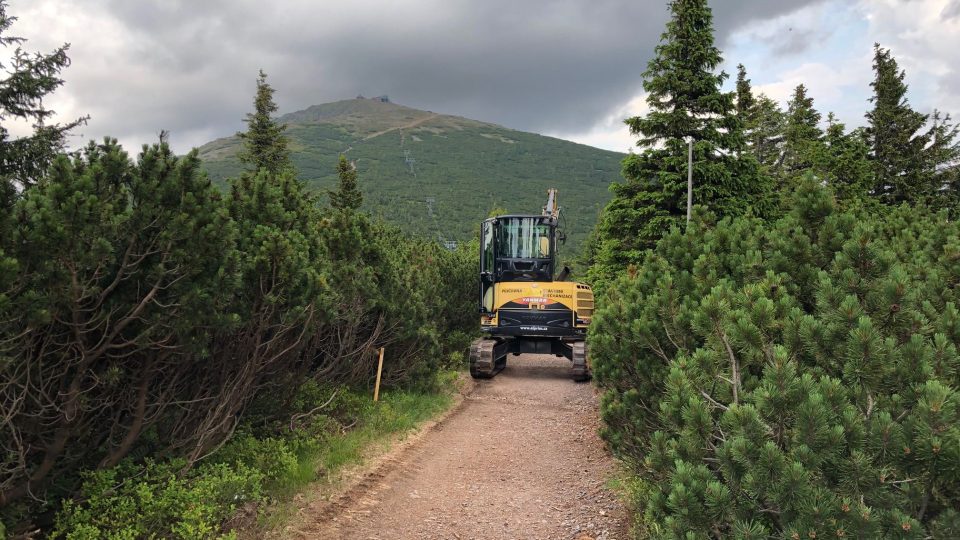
[[568, 68]]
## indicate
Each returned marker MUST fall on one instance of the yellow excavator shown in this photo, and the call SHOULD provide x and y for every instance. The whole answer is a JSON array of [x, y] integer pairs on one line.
[[525, 305]]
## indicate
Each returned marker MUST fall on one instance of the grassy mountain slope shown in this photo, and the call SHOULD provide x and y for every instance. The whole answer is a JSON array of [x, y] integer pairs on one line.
[[438, 175]]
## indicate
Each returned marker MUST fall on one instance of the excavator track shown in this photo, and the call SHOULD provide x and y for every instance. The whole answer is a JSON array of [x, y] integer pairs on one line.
[[580, 370], [487, 358]]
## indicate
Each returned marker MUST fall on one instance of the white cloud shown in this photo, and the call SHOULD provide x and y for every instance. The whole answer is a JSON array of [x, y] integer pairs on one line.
[[924, 37], [611, 133], [829, 48], [830, 86]]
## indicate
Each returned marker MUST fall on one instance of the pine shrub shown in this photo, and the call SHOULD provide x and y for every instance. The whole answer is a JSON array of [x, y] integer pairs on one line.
[[794, 379]]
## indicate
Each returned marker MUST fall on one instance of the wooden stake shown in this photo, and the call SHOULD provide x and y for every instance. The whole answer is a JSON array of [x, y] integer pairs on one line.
[[376, 388]]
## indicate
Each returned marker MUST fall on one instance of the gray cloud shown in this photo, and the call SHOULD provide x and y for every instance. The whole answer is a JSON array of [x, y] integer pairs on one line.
[[189, 67], [797, 40], [951, 11]]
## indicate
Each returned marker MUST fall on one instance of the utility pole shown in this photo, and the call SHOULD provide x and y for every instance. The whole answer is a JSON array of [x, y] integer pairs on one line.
[[689, 178]]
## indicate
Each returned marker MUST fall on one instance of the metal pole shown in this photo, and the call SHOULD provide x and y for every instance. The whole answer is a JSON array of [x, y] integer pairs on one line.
[[689, 178]]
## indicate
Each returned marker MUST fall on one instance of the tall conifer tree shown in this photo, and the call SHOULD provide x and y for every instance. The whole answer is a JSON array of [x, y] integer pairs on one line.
[[29, 78], [893, 133], [264, 144], [348, 195], [765, 134], [802, 134], [282, 265], [686, 102], [842, 161], [745, 99], [762, 122], [908, 156], [746, 104]]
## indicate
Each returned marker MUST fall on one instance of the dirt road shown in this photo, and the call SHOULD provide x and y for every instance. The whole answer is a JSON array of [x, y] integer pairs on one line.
[[413, 124], [519, 459]]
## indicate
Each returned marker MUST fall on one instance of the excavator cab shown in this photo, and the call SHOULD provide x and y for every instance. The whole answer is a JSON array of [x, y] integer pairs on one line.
[[525, 307], [516, 249]]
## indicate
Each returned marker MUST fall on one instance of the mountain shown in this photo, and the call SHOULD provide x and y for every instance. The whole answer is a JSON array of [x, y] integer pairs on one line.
[[438, 175]]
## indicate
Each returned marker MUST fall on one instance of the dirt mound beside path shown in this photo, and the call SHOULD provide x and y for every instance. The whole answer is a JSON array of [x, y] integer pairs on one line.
[[518, 459]]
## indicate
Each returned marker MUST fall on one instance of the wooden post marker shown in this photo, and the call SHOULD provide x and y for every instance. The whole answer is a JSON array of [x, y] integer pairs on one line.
[[376, 387]]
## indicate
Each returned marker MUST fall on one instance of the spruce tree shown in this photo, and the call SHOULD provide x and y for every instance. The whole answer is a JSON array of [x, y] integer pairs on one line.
[[745, 99], [763, 125], [762, 122], [348, 195], [686, 102], [842, 161], [765, 133], [944, 160], [893, 132], [264, 144], [802, 133], [910, 150], [29, 79]]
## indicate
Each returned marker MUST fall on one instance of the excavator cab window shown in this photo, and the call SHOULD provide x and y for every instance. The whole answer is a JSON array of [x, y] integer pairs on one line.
[[524, 248], [524, 238], [487, 260], [487, 263]]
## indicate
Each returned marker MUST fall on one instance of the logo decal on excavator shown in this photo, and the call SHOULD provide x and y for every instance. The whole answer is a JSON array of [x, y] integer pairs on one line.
[[534, 300]]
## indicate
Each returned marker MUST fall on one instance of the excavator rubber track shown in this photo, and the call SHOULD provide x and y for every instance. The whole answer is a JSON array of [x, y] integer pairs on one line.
[[488, 357], [580, 368]]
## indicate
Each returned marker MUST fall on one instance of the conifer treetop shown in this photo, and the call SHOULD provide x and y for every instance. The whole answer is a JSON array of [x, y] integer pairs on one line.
[[29, 78], [802, 132], [745, 98], [905, 155], [683, 88], [348, 195], [264, 144]]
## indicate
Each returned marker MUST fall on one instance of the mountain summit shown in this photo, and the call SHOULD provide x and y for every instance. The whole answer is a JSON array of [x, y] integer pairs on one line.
[[434, 174]]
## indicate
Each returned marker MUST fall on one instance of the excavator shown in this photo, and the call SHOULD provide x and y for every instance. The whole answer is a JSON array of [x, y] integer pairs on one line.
[[525, 305]]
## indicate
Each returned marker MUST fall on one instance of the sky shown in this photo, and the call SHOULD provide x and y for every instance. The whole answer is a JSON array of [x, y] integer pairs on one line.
[[568, 68]]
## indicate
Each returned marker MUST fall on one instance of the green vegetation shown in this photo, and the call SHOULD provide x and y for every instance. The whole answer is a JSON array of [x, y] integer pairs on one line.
[[28, 79], [264, 147], [801, 133], [169, 356], [909, 149], [789, 369], [466, 167], [249, 472], [686, 103], [793, 378]]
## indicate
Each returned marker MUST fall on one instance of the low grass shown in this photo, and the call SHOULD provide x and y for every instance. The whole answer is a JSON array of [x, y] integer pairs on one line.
[[377, 425], [247, 487], [398, 412], [633, 492]]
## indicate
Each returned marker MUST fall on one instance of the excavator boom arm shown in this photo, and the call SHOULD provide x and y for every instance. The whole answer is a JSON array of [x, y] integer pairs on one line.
[[551, 208]]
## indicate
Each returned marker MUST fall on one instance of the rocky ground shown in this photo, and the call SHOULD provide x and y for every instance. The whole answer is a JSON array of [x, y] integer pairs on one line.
[[518, 459]]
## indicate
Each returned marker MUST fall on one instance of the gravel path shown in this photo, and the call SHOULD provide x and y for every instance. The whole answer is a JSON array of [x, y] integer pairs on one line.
[[519, 458]]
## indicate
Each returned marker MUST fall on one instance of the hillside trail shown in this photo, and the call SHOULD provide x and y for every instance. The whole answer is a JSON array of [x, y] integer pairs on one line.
[[519, 458], [413, 124]]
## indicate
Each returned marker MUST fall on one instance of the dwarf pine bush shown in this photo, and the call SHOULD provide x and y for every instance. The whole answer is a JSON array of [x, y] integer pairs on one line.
[[794, 379]]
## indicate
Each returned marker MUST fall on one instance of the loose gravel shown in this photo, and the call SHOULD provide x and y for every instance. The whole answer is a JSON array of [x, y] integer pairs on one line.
[[519, 458]]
